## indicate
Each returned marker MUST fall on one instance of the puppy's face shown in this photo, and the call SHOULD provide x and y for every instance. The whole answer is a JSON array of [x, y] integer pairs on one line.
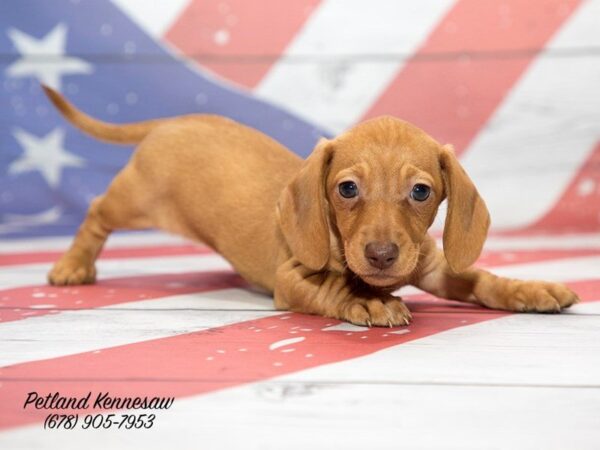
[[383, 187], [366, 199]]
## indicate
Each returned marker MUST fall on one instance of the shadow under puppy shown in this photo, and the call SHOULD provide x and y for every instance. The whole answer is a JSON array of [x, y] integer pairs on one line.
[[332, 235]]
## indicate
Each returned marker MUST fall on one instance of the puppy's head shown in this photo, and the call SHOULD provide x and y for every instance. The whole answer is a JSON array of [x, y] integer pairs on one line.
[[367, 198]]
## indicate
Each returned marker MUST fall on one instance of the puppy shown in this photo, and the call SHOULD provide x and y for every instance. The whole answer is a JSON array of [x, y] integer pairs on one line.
[[333, 235]]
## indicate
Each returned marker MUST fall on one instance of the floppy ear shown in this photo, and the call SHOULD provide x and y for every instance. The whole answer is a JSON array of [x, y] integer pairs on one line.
[[467, 219], [303, 210]]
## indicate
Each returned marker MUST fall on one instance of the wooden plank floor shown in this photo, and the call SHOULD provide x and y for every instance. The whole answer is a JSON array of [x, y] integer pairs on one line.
[[513, 85], [458, 377]]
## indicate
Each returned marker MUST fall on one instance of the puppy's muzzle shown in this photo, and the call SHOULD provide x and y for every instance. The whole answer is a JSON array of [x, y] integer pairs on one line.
[[381, 255]]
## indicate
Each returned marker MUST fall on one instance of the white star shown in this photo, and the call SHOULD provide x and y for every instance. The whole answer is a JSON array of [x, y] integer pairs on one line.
[[45, 154], [45, 58], [16, 222]]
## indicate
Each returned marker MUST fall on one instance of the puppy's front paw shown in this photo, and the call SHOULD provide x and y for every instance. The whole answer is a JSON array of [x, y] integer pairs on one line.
[[387, 312], [70, 270], [540, 296]]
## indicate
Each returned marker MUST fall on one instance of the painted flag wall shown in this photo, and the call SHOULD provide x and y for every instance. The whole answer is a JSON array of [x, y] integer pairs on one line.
[[513, 85]]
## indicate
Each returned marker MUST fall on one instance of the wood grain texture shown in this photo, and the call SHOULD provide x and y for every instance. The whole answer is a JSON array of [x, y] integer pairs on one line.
[[502, 393], [525, 381]]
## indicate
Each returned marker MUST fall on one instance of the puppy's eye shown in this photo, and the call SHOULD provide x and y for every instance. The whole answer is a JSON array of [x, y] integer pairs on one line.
[[348, 189], [420, 192]]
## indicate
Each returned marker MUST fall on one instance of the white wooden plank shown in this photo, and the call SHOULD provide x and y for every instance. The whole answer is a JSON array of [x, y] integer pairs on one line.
[[116, 240], [35, 274], [569, 269], [590, 308], [336, 90], [544, 130], [71, 332], [157, 238], [155, 20], [548, 242], [521, 349], [275, 415]]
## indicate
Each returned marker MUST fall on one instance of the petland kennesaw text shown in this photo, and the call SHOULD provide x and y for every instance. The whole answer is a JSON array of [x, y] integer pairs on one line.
[[102, 400]]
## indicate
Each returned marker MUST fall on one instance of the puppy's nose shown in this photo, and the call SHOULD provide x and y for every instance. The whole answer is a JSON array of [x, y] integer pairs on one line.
[[381, 255]]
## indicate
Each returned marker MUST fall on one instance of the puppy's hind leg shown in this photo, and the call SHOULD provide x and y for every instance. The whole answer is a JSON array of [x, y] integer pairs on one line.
[[118, 208]]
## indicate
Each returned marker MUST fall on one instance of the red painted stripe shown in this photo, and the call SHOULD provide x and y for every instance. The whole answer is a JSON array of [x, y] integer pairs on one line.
[[31, 301], [578, 210], [201, 362], [17, 258], [23, 302], [453, 97], [239, 29]]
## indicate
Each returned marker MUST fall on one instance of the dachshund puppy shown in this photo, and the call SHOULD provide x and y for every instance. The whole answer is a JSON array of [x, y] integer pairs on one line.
[[333, 235]]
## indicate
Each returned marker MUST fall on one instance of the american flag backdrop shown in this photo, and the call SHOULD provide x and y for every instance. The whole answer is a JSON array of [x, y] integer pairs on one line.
[[515, 87]]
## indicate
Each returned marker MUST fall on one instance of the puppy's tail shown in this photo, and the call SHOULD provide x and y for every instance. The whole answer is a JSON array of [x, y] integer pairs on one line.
[[131, 133]]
